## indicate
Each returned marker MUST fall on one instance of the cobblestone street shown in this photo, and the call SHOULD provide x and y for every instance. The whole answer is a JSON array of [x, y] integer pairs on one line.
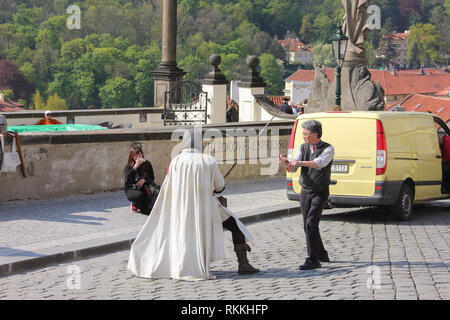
[[372, 257]]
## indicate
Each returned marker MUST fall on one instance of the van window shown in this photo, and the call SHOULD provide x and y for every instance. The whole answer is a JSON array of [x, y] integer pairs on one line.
[[441, 127]]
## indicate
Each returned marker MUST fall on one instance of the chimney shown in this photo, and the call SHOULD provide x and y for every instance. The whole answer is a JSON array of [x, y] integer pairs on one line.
[[2, 96]]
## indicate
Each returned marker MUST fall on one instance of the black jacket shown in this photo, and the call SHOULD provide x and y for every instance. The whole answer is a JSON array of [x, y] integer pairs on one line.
[[145, 171], [285, 108]]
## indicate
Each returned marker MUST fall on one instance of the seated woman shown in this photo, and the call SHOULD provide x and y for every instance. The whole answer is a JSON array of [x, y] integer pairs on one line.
[[140, 187]]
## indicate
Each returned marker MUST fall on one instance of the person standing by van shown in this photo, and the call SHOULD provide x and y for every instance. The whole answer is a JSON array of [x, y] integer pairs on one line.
[[315, 158]]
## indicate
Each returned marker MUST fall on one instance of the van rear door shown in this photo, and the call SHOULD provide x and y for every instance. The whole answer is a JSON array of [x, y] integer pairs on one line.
[[354, 141]]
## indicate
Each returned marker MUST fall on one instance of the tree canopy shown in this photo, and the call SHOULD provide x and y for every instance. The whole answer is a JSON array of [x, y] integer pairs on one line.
[[108, 61]]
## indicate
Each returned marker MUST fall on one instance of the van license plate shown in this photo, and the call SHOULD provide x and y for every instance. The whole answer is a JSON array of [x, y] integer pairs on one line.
[[339, 168]]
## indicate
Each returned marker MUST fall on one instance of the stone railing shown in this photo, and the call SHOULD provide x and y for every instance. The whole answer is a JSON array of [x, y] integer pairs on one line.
[[61, 164], [137, 117]]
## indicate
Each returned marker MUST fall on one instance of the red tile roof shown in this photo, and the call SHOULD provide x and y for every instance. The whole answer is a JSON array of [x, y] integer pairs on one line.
[[7, 105], [397, 36], [423, 103], [445, 92], [405, 82], [294, 45], [277, 100], [410, 83]]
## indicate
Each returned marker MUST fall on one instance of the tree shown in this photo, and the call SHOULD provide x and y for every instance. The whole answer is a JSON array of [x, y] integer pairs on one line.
[[414, 60], [74, 49], [307, 30], [29, 72], [324, 26], [54, 102], [118, 93], [271, 73], [37, 103], [12, 78], [194, 67], [323, 55], [426, 38], [8, 93]]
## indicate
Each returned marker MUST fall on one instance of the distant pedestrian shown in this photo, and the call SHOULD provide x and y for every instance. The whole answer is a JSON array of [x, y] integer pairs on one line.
[[314, 157], [285, 107], [233, 112], [48, 119], [296, 108]]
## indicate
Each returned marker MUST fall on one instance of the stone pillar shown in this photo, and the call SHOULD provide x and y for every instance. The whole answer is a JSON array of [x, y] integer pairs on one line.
[[250, 85], [215, 84], [167, 72]]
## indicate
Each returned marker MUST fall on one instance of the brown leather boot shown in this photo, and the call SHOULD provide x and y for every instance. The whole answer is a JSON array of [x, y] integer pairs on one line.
[[241, 253]]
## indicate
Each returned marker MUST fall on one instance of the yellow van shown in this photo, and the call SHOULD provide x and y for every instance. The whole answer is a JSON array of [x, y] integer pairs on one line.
[[382, 158]]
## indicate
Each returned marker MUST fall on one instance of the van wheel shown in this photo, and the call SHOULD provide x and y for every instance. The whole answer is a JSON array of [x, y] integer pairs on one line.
[[402, 210]]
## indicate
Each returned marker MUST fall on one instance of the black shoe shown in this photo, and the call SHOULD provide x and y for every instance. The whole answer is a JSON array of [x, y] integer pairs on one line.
[[310, 265], [324, 257]]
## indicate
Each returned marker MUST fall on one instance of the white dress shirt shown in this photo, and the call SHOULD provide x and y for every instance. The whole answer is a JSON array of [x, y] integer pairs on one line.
[[322, 160]]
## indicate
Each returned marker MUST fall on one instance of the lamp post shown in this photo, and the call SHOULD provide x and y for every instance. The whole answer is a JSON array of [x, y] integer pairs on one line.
[[339, 42]]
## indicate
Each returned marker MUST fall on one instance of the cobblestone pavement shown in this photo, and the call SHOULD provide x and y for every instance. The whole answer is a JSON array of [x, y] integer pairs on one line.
[[30, 228], [371, 256]]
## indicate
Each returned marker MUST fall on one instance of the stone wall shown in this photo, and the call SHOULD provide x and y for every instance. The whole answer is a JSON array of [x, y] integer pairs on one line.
[[60, 164]]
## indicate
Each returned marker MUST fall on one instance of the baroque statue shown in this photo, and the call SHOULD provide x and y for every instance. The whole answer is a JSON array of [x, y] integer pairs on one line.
[[358, 92]]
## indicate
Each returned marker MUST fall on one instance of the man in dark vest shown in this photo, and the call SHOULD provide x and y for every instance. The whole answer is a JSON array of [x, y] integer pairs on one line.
[[314, 157]]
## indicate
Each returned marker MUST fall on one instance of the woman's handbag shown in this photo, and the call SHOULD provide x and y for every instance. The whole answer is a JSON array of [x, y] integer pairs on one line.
[[153, 191], [10, 159]]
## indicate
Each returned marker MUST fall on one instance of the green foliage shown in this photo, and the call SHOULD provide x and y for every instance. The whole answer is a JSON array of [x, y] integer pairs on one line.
[[119, 43], [271, 73], [8, 93], [323, 55], [54, 102], [117, 93], [37, 103], [194, 67], [423, 37]]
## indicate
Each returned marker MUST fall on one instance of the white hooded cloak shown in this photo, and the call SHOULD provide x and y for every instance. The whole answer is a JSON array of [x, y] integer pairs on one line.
[[184, 232]]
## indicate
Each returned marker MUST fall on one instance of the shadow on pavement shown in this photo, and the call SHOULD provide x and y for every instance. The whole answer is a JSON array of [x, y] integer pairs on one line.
[[279, 273], [9, 252], [424, 214], [64, 209]]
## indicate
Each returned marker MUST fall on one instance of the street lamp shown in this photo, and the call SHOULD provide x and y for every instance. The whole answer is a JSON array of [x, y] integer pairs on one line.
[[339, 42]]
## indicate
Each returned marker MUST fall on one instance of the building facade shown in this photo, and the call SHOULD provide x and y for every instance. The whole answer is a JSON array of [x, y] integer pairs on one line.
[[296, 51]]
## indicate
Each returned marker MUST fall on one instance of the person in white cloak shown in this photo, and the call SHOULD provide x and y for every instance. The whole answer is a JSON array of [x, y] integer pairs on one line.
[[184, 231]]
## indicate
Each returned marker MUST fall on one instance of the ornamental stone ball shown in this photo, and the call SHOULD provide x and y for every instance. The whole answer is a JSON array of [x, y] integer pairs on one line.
[[215, 59], [252, 62]]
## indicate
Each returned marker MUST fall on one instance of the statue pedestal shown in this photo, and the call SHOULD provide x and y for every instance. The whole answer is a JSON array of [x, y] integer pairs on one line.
[[166, 74], [348, 101]]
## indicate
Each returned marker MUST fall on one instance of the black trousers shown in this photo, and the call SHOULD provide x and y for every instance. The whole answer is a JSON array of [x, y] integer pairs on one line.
[[312, 204], [236, 233], [140, 199]]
